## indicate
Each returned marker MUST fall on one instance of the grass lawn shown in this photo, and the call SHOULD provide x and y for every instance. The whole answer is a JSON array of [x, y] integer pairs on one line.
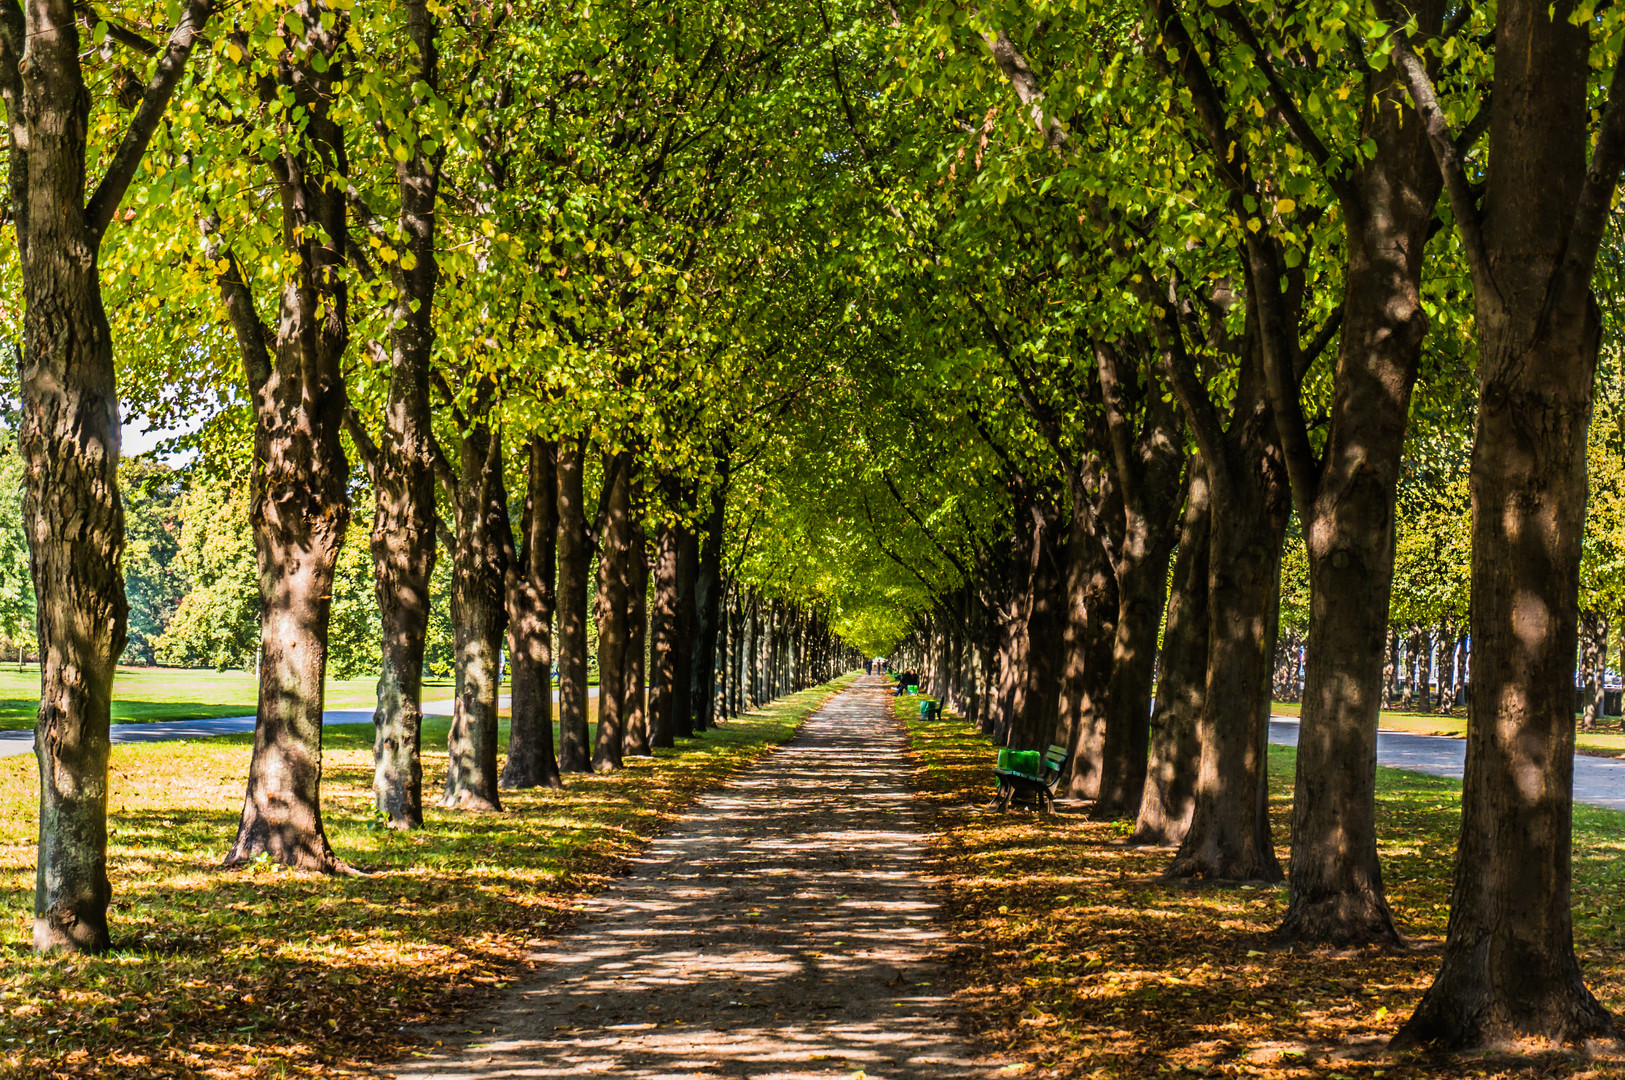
[[1072, 957], [143, 693], [267, 972], [1607, 741]]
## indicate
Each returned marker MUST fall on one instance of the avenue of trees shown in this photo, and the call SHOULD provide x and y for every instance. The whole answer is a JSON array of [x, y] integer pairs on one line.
[[1081, 355]]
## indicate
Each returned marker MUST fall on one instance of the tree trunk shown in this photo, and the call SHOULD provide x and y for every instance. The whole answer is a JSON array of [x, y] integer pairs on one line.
[[402, 473], [1447, 666], [707, 604], [1046, 616], [1509, 970], [1390, 669], [1169, 798], [530, 596], [1089, 640], [636, 742], [479, 617], [753, 675], [1593, 667], [663, 631], [574, 563], [614, 599], [1336, 891], [300, 503], [1229, 834], [69, 436], [682, 696]]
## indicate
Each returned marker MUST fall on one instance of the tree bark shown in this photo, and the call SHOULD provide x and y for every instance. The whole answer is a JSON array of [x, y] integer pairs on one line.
[[1169, 798], [300, 501], [479, 616], [572, 611], [69, 436], [1229, 835], [614, 552], [1089, 639], [531, 761], [1509, 970], [663, 631], [636, 742], [1593, 667], [682, 696], [401, 468], [1035, 724], [1144, 437], [1336, 891], [707, 604]]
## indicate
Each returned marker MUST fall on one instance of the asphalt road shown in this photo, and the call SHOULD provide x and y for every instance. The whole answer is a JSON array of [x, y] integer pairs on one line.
[[13, 743], [1598, 781]]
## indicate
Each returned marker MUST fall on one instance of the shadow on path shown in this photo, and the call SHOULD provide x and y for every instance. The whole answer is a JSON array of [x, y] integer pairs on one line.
[[782, 930]]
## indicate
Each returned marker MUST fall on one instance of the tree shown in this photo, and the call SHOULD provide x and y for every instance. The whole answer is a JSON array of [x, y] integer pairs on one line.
[[69, 432], [1531, 249], [300, 501]]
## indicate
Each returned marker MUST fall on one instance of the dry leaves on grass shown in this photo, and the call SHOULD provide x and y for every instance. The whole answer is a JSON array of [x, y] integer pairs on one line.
[[1072, 957], [265, 972]]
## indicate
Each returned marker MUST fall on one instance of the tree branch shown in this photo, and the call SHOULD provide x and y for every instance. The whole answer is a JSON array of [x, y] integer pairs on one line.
[[160, 88], [1027, 87], [929, 535], [1469, 221], [239, 301], [13, 37], [1597, 196], [363, 442], [1296, 122]]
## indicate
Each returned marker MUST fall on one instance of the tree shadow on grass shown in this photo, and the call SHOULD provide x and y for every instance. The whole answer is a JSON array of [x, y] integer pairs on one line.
[[258, 968], [1073, 954]]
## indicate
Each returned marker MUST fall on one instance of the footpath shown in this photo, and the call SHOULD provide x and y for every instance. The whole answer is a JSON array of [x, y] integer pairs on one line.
[[783, 930]]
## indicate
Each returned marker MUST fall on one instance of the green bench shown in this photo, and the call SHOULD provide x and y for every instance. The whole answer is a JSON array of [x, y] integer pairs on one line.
[[930, 710], [1025, 776]]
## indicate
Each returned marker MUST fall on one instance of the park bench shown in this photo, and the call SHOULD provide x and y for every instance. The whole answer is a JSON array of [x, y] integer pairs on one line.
[[930, 710], [1025, 777]]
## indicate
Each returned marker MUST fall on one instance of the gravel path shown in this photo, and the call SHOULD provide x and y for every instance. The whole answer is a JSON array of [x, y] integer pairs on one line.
[[782, 930]]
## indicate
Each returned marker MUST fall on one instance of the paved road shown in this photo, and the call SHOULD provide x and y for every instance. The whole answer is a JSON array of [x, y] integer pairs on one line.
[[781, 931], [13, 743], [1598, 781]]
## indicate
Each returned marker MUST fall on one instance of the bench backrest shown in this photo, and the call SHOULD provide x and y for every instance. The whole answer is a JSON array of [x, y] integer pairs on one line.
[[1055, 757]]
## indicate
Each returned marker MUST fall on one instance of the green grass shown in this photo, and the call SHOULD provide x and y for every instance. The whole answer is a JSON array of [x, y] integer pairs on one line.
[[1607, 741], [145, 693], [262, 971], [1077, 959]]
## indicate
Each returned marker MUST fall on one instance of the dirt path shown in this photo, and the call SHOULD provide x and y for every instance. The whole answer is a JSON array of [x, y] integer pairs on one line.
[[782, 930]]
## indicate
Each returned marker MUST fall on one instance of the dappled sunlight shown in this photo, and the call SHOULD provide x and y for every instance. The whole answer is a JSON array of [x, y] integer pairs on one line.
[[1075, 957], [785, 929], [247, 972]]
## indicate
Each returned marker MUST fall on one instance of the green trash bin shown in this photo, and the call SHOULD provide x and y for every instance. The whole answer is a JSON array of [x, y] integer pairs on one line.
[[1026, 762], [913, 688]]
